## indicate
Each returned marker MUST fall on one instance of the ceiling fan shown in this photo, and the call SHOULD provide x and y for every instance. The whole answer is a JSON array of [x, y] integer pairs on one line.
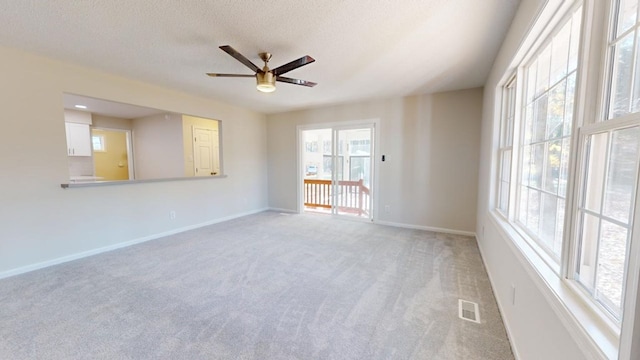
[[266, 78]]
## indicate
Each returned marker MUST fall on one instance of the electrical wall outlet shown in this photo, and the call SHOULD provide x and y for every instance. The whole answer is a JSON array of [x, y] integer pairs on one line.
[[172, 215]]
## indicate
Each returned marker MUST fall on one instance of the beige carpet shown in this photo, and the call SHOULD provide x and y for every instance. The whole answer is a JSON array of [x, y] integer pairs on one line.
[[266, 286]]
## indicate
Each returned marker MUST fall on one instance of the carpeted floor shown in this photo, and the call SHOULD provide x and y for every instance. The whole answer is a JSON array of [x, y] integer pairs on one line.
[[266, 286]]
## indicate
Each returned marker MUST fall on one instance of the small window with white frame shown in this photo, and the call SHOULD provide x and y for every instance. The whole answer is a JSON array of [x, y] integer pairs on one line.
[[98, 143]]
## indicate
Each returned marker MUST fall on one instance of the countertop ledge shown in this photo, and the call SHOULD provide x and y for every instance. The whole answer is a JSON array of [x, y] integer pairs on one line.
[[89, 183]]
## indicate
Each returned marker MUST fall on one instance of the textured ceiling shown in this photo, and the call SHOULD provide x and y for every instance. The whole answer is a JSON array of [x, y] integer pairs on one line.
[[363, 49]]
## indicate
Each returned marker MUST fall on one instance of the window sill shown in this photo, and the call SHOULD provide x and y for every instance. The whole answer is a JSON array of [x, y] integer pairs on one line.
[[94, 183], [592, 332]]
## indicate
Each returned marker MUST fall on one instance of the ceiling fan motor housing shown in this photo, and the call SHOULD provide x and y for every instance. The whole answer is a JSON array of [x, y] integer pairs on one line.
[[266, 81]]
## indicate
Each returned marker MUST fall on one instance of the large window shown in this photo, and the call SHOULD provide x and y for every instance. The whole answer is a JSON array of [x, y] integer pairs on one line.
[[610, 180], [609, 160], [546, 136]]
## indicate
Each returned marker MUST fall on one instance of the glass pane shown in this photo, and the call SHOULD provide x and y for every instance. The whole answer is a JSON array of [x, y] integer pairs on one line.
[[622, 71], [635, 106], [351, 195], [611, 260], [555, 113], [526, 164], [532, 75], [512, 110], [575, 40], [621, 176], [552, 166], [560, 53], [588, 251], [522, 208], [627, 14], [506, 165], [540, 118], [564, 168], [533, 214], [569, 97], [506, 138], [360, 167], [544, 64], [537, 164], [595, 170], [548, 221], [557, 245], [504, 196], [528, 124], [508, 135], [327, 164]]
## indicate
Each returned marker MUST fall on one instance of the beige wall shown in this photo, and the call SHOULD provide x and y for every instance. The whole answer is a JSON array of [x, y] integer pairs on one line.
[[41, 222], [431, 144]]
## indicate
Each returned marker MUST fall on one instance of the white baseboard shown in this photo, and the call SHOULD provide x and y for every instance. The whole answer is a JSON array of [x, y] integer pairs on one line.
[[427, 228], [64, 259]]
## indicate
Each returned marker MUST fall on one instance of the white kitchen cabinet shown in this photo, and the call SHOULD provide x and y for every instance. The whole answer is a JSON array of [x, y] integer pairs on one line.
[[78, 139]]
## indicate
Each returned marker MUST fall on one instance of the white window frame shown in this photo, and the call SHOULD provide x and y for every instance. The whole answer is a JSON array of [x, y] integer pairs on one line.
[[563, 15], [508, 118], [584, 133]]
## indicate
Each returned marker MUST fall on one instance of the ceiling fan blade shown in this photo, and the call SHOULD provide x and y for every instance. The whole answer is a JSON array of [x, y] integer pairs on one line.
[[296, 81], [293, 65], [231, 51], [229, 75]]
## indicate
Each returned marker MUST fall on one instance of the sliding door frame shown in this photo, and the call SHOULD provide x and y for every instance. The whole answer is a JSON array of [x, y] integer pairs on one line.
[[334, 126]]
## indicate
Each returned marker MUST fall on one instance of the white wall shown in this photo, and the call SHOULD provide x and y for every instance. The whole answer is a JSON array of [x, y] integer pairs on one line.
[[157, 146], [535, 329], [431, 143], [40, 221]]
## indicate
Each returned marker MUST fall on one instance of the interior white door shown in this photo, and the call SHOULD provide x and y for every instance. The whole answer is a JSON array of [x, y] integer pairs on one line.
[[205, 148]]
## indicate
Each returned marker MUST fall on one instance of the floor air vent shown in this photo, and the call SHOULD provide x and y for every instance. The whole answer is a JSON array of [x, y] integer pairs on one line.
[[468, 310]]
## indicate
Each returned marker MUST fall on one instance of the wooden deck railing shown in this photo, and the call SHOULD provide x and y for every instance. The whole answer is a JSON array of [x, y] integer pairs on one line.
[[351, 196]]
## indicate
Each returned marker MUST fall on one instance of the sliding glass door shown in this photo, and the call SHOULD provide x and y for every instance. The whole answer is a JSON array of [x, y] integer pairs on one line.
[[337, 170]]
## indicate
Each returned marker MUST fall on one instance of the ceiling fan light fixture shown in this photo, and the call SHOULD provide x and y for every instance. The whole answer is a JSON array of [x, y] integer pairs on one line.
[[266, 78], [266, 82]]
